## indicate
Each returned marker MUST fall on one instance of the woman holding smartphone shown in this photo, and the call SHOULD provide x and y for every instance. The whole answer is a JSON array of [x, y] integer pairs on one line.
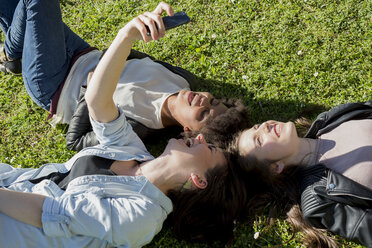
[[55, 64], [116, 194]]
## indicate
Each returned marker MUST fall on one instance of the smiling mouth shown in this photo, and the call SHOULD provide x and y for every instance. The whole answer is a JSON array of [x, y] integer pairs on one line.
[[277, 130], [190, 97], [193, 98], [189, 142]]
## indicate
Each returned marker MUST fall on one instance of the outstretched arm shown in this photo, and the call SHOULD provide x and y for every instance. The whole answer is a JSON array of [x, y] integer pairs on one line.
[[25, 207], [99, 95]]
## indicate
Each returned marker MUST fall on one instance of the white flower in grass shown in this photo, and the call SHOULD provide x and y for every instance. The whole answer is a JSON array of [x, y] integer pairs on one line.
[[245, 77], [316, 74], [19, 166], [256, 235], [299, 53], [214, 36]]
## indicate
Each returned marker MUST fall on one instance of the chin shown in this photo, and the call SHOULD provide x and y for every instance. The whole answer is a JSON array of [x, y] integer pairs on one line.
[[292, 131], [172, 145]]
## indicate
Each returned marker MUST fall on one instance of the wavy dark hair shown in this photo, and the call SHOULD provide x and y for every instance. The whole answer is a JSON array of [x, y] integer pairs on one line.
[[208, 215]]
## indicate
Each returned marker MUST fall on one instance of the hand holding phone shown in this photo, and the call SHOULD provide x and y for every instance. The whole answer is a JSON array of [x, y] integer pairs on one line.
[[176, 20]]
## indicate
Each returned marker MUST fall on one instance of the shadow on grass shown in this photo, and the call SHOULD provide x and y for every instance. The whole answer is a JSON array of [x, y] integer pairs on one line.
[[263, 109]]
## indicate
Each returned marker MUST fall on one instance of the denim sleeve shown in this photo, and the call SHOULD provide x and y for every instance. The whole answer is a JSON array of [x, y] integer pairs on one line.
[[116, 133], [129, 221]]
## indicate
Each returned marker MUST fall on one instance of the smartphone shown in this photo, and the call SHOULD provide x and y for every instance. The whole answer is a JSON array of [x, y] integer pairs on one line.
[[176, 20]]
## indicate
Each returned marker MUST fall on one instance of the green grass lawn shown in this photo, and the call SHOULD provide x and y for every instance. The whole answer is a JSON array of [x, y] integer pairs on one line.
[[284, 58]]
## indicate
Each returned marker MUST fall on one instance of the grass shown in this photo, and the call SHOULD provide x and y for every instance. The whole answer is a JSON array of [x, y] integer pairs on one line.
[[284, 58]]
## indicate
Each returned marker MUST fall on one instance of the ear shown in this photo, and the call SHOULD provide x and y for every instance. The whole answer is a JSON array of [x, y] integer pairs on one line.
[[277, 167], [201, 138], [186, 129], [199, 182]]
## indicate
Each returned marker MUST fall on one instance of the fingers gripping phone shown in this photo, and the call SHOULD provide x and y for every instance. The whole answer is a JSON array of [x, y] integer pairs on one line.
[[176, 20]]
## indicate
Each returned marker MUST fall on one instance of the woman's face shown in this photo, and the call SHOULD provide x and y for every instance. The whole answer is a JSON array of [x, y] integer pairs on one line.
[[271, 141], [195, 153], [192, 109]]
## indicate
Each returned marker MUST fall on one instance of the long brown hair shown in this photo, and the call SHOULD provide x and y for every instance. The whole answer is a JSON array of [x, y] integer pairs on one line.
[[283, 196], [208, 215]]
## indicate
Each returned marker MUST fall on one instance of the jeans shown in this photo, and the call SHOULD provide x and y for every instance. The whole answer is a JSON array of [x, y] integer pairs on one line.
[[35, 32]]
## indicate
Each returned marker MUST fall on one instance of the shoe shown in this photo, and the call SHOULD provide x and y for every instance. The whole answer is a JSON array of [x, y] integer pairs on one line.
[[7, 65]]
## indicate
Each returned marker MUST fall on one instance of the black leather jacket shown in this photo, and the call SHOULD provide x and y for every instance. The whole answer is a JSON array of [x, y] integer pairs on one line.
[[80, 133], [330, 200]]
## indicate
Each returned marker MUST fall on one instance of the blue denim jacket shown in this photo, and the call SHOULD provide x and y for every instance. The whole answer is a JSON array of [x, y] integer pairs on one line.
[[95, 210]]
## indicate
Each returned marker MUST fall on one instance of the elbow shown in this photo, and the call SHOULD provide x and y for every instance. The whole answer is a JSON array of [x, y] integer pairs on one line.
[[89, 99]]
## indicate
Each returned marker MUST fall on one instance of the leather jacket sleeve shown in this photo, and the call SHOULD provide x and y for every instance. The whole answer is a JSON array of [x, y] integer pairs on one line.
[[80, 133], [338, 204], [348, 221]]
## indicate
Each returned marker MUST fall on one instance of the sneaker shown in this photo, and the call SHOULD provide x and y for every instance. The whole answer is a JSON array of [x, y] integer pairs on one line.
[[7, 65]]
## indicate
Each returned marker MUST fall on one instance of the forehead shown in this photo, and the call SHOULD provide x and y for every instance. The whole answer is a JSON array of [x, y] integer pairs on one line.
[[246, 142]]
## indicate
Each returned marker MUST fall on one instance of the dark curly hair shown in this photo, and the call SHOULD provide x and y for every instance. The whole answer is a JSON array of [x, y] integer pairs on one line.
[[221, 130]]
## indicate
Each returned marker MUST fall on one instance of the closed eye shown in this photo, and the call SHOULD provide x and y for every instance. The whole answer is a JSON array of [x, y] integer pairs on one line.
[[258, 141], [211, 147]]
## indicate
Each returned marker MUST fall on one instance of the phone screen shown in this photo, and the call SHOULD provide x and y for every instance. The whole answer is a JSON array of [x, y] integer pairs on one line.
[[176, 20]]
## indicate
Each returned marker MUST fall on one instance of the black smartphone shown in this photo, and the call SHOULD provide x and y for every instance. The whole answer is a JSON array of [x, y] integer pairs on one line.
[[176, 20]]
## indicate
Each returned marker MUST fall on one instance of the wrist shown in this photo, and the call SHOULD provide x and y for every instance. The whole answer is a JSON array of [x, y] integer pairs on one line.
[[125, 35]]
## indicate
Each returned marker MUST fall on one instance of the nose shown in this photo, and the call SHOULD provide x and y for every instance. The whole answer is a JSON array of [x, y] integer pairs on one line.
[[204, 101], [265, 127], [201, 139]]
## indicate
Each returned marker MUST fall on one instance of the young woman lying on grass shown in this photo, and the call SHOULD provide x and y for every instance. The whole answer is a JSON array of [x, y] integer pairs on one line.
[[116, 194], [322, 181], [55, 64]]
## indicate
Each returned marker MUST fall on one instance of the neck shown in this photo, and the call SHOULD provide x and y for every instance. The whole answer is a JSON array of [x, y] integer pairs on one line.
[[160, 173], [167, 110], [305, 153]]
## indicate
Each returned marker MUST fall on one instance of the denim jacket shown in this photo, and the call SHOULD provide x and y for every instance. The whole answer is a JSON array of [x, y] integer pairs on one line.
[[95, 210]]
